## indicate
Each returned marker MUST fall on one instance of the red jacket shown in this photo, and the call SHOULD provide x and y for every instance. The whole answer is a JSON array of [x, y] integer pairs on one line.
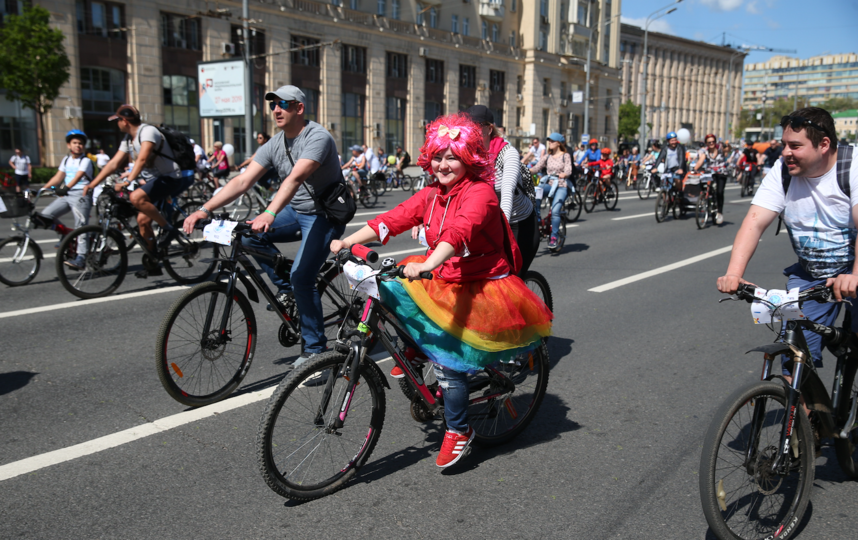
[[606, 166], [467, 217]]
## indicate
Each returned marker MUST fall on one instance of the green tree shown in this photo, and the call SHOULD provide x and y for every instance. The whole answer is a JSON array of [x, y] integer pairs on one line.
[[630, 120], [33, 63]]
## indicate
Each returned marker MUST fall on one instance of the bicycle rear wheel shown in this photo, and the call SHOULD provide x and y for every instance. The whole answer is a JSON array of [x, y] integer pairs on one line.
[[644, 187], [405, 183], [301, 455], [106, 262], [198, 368], [742, 497], [572, 206], [184, 256], [516, 389], [847, 449], [537, 283], [241, 208], [368, 197], [20, 261], [612, 195]]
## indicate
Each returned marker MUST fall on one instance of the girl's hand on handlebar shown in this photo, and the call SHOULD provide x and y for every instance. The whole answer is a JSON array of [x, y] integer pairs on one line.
[[844, 286], [729, 283], [413, 270], [339, 245]]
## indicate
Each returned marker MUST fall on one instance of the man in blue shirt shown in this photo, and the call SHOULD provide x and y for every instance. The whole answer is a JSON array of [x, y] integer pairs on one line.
[[591, 154]]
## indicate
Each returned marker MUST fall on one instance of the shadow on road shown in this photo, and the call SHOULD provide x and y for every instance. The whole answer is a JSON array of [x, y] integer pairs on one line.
[[14, 380], [273, 380]]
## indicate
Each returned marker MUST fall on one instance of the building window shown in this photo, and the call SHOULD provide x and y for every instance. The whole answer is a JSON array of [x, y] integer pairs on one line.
[[18, 127], [545, 126], [354, 59], [543, 8], [498, 115], [180, 32], [582, 13], [382, 7], [543, 40], [512, 39], [354, 5], [484, 34], [433, 17], [494, 33], [394, 13], [497, 81], [394, 124], [353, 110], [518, 117], [98, 18], [102, 90], [546, 87], [256, 39], [466, 26], [563, 90], [633, 46], [563, 12], [467, 76], [397, 65], [181, 110], [434, 110], [434, 71], [305, 57], [454, 24], [622, 46], [607, 124], [514, 5], [311, 107]]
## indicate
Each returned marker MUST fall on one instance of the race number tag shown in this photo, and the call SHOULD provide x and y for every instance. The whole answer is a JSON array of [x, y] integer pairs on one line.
[[362, 278], [421, 237], [538, 191], [763, 313], [219, 232]]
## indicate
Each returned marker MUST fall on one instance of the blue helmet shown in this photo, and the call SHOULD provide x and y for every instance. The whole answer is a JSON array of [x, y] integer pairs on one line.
[[75, 134], [671, 135]]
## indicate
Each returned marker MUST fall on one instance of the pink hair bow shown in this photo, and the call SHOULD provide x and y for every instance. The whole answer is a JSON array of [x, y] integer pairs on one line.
[[452, 133]]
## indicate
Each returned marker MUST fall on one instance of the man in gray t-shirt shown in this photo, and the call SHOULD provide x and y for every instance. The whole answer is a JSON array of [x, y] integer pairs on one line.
[[305, 156]]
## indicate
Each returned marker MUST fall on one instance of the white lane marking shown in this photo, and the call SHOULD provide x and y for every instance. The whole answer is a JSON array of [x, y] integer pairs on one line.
[[370, 213], [34, 463], [356, 224], [633, 217], [65, 305], [52, 256], [662, 270], [741, 200]]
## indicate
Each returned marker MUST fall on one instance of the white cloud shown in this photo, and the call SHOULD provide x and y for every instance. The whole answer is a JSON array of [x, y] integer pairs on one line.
[[752, 8], [722, 5], [655, 26]]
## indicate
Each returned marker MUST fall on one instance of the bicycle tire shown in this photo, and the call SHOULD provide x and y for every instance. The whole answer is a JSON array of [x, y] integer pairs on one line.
[[405, 183], [496, 421], [106, 262], [240, 209], [338, 302], [590, 198], [537, 283], [183, 258], [736, 512], [661, 207], [573, 206], [846, 450], [298, 413], [643, 188], [676, 205], [367, 198], [612, 195], [701, 211], [194, 369], [15, 266]]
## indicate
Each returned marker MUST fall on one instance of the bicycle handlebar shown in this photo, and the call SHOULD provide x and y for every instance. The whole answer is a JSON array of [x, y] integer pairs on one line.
[[820, 293], [359, 254]]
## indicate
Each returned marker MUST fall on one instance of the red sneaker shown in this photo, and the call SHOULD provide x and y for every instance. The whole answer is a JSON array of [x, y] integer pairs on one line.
[[416, 361], [454, 447]]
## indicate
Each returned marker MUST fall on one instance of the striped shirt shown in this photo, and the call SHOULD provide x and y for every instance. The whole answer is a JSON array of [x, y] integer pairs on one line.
[[515, 204]]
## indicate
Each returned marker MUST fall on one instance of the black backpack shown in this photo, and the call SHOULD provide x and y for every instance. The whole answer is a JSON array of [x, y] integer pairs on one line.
[[843, 168], [180, 144]]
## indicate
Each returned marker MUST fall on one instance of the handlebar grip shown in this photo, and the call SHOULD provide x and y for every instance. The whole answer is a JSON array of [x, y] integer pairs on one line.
[[364, 253], [400, 273]]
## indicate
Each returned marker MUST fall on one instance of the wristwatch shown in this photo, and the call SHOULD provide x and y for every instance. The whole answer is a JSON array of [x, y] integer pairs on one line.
[[204, 209]]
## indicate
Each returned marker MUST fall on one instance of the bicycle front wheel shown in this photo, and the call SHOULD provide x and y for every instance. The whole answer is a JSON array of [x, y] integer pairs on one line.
[[701, 212], [368, 197], [504, 399], [743, 498], [300, 452], [572, 206], [405, 183], [662, 206], [19, 261], [199, 366], [590, 198], [643, 188], [105, 262]]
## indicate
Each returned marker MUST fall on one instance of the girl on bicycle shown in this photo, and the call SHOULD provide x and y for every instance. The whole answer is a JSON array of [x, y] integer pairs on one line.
[[476, 311], [556, 163]]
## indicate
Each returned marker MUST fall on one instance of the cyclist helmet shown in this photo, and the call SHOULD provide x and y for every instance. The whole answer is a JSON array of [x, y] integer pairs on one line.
[[593, 141], [671, 135], [606, 151], [75, 134]]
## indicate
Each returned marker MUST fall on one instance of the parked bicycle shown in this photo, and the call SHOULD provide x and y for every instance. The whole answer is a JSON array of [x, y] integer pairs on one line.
[[20, 255], [207, 340], [757, 463], [322, 423]]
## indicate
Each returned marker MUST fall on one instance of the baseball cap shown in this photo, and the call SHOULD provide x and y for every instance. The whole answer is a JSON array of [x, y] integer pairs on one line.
[[126, 112], [480, 114], [556, 137], [356, 148], [288, 93]]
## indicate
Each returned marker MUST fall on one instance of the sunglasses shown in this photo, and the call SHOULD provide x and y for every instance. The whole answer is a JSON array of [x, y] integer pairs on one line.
[[282, 103], [798, 122]]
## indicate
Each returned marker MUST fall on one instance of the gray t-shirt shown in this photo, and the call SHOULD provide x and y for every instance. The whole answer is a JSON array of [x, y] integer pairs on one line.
[[672, 160], [315, 143], [156, 166]]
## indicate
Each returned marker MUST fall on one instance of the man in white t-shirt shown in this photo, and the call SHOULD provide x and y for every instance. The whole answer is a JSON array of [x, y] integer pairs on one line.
[[372, 163], [23, 169], [819, 216], [199, 156], [73, 175], [534, 153], [101, 159]]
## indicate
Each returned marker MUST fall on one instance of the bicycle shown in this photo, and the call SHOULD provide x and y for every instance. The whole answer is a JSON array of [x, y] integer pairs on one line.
[[648, 183], [706, 206], [207, 339], [107, 252], [321, 424], [21, 256], [756, 468], [420, 182], [748, 175], [669, 199], [604, 191]]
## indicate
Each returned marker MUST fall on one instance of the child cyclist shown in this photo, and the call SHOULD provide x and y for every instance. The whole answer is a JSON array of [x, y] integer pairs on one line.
[[606, 166], [476, 311]]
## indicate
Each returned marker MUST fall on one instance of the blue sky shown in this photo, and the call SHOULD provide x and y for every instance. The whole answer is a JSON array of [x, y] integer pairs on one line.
[[830, 27]]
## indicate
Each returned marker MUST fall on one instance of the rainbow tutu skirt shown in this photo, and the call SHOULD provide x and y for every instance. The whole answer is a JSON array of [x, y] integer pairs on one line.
[[468, 326]]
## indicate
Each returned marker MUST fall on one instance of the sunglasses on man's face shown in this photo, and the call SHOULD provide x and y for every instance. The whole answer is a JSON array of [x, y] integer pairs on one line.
[[798, 122], [282, 103]]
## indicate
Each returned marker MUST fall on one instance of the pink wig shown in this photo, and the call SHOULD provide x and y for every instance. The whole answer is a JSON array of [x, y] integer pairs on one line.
[[467, 146]]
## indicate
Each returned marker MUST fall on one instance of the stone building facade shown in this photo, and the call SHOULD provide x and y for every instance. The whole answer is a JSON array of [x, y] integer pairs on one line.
[[814, 79], [686, 82], [383, 68]]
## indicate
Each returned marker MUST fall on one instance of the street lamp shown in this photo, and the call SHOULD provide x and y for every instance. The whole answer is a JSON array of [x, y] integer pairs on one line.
[[587, 71], [652, 17]]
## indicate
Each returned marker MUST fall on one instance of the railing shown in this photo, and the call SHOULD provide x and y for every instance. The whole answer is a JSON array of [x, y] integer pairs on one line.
[[439, 35], [358, 17], [308, 6], [401, 26]]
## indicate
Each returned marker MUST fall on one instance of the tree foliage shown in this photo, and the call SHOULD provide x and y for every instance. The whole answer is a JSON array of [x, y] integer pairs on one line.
[[33, 62], [781, 107], [630, 120]]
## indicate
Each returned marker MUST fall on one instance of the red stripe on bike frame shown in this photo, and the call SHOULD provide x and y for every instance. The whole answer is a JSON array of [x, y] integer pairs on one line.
[[427, 395]]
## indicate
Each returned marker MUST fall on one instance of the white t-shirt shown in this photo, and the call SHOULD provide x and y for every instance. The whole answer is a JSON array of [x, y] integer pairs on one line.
[[20, 164], [156, 166], [199, 153], [101, 160], [71, 166], [818, 216], [373, 165]]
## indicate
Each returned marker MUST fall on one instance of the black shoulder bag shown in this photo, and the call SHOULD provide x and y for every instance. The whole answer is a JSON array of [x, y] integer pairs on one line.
[[336, 199]]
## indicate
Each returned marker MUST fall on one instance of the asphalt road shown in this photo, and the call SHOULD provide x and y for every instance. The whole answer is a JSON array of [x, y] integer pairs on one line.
[[637, 373]]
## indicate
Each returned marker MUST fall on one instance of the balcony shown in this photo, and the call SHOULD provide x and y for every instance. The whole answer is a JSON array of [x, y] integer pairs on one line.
[[578, 30], [429, 3], [491, 10]]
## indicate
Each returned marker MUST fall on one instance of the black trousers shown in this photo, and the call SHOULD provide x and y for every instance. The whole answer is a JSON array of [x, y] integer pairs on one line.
[[720, 182], [526, 235]]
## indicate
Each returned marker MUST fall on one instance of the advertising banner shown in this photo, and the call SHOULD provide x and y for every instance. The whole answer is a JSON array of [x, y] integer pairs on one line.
[[221, 88]]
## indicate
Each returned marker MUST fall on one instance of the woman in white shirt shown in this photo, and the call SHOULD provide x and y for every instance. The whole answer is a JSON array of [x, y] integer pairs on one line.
[[23, 169]]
